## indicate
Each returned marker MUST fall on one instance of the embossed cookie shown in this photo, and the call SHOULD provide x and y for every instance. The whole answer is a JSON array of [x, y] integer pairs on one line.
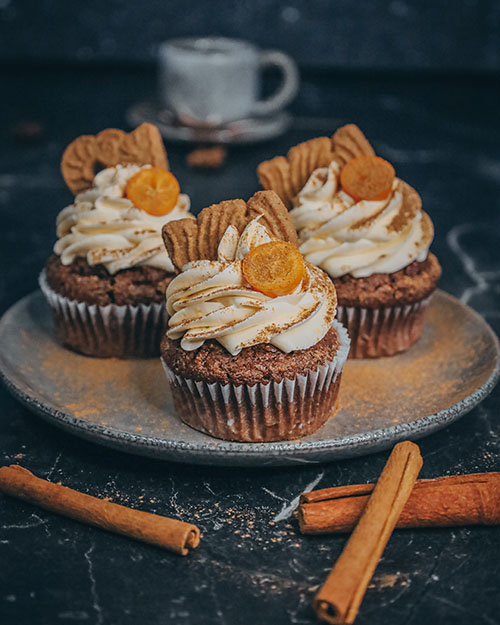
[[349, 142], [288, 175], [142, 146], [187, 240]]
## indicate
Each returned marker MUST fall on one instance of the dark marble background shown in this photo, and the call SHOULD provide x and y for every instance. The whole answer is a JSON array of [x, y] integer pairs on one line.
[[342, 34], [252, 566], [428, 97]]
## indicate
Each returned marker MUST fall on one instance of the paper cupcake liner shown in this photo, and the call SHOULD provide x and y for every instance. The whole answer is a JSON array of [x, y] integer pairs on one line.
[[376, 332], [262, 412], [106, 331]]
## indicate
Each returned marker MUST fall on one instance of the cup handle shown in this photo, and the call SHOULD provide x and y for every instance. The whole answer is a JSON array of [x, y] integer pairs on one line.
[[289, 87]]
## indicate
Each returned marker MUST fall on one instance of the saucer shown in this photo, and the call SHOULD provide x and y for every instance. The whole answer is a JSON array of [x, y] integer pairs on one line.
[[249, 130]]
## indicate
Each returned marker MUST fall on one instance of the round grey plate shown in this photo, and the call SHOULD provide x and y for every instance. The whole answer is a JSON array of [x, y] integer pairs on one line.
[[126, 404]]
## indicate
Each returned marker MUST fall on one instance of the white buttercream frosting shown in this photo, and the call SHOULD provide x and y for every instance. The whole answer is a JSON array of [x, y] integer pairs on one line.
[[105, 227], [360, 238], [211, 299]]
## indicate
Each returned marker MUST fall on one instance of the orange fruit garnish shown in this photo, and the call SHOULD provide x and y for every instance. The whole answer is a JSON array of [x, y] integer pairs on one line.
[[153, 190], [367, 178], [275, 268]]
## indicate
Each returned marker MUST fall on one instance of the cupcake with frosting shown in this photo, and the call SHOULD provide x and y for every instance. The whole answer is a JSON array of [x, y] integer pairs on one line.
[[253, 351], [366, 228], [107, 277]]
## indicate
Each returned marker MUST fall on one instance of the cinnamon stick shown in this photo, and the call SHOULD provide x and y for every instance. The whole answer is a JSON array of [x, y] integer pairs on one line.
[[338, 600], [150, 528], [443, 502]]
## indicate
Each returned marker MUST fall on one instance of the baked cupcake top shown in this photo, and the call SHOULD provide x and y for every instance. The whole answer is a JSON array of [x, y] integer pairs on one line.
[[352, 215], [117, 215], [257, 289]]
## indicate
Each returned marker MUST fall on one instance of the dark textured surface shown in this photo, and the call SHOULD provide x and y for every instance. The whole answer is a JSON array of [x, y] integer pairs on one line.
[[419, 34], [252, 565]]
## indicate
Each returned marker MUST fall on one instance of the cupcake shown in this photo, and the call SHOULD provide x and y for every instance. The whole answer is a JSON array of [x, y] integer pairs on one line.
[[106, 280], [253, 352], [366, 228]]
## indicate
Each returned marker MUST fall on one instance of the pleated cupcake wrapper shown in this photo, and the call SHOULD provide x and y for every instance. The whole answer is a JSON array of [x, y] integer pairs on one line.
[[113, 330], [377, 332], [262, 412]]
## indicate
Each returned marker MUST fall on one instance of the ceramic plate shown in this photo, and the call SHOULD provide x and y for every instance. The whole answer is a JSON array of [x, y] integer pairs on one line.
[[128, 405], [243, 131]]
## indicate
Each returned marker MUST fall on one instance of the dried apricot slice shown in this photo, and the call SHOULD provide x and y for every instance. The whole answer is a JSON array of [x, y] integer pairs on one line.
[[153, 190], [367, 178], [275, 268]]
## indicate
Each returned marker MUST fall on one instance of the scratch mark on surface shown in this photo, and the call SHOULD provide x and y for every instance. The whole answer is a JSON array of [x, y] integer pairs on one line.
[[43, 523], [173, 498], [75, 615], [431, 577], [207, 486], [93, 586], [461, 608], [299, 460], [287, 509], [53, 467], [479, 278], [274, 495], [25, 526]]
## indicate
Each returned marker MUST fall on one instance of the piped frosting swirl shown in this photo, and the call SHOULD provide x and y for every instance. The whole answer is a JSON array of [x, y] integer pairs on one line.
[[360, 238], [210, 299], [105, 227]]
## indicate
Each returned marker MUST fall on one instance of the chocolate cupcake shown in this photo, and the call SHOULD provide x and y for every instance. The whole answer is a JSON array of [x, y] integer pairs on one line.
[[106, 280], [366, 228], [253, 352]]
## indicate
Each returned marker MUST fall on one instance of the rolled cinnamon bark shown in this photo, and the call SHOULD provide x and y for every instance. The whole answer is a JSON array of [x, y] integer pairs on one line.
[[150, 528], [338, 600], [443, 502]]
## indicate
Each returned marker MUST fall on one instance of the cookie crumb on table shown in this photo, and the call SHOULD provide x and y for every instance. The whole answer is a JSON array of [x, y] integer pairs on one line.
[[208, 157]]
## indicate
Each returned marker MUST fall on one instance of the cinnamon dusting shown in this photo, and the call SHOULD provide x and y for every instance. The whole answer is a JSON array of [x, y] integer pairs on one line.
[[369, 386]]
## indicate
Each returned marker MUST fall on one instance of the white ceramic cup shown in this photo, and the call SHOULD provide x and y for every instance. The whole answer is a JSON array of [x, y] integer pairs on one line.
[[214, 80]]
